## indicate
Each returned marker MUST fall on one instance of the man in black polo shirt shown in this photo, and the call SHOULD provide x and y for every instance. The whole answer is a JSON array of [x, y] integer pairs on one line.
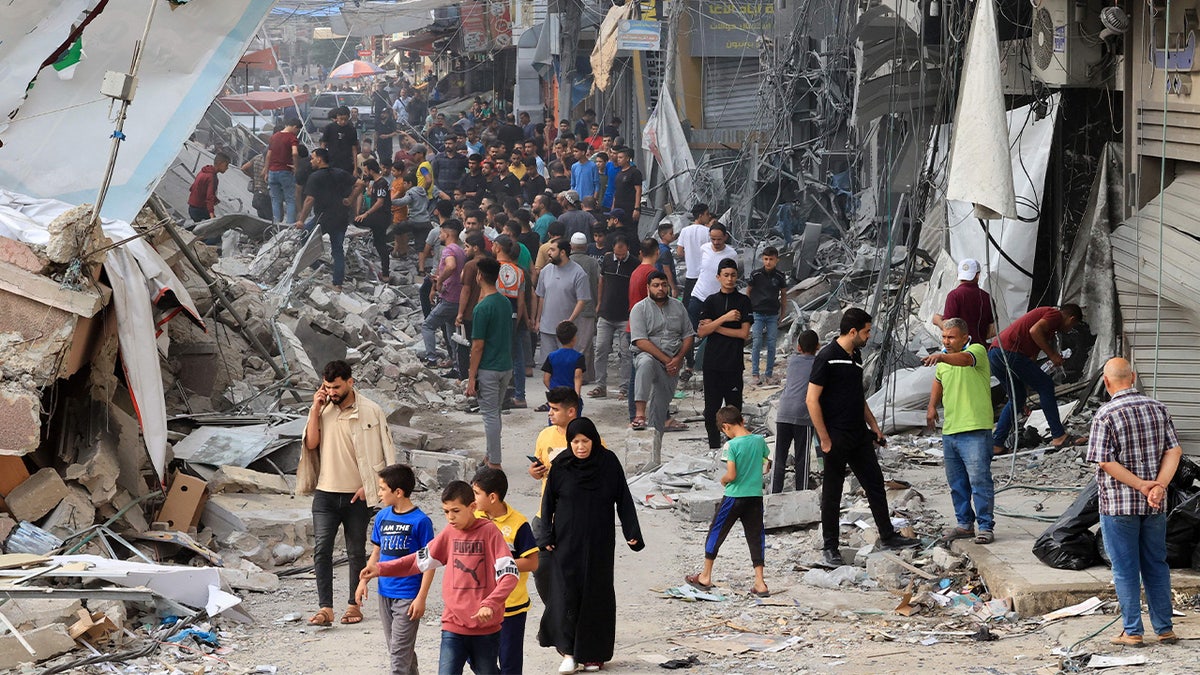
[[837, 404], [327, 194], [341, 140], [724, 326]]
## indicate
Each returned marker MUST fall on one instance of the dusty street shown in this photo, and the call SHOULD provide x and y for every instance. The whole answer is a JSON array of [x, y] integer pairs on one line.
[[850, 630]]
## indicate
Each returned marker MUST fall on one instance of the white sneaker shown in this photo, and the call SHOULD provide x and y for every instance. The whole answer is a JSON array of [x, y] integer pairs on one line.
[[568, 665], [591, 667]]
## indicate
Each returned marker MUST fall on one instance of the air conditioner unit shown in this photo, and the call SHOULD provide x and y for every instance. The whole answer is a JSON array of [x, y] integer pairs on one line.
[[1065, 47]]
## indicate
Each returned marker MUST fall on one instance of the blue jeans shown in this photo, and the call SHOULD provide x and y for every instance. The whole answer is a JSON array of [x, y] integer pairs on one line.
[[512, 643], [440, 318], [763, 323], [282, 186], [1021, 372], [337, 242], [968, 461], [481, 651], [1137, 546]]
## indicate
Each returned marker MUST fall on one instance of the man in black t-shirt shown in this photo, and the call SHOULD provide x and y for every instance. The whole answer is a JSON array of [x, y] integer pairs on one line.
[[612, 310], [378, 214], [504, 183], [724, 326], [328, 195], [341, 140], [838, 406], [628, 193]]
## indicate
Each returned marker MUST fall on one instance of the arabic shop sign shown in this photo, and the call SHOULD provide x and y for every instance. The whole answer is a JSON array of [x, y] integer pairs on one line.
[[730, 27]]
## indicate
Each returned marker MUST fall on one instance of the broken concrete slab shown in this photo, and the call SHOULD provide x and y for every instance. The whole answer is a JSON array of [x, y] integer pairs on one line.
[[791, 509], [246, 481], [23, 255], [408, 437], [37, 496], [47, 642], [96, 468], [697, 507], [29, 613], [20, 419], [74, 513], [298, 362], [445, 466], [269, 517], [883, 567]]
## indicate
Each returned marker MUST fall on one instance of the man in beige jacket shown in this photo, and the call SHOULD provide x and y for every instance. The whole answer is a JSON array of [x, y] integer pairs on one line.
[[346, 443]]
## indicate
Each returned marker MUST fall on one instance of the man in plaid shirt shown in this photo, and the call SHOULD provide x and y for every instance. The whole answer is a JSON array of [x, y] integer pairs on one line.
[[1133, 441]]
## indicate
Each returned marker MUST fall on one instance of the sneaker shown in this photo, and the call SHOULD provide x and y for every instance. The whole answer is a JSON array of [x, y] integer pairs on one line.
[[1126, 640], [452, 375], [592, 667], [832, 558], [899, 541], [568, 665], [758, 381], [1168, 638]]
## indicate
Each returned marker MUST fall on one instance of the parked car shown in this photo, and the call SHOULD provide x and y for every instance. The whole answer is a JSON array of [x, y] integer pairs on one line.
[[321, 104]]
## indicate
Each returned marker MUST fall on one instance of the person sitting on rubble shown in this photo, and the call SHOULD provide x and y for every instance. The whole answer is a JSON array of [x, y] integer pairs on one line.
[[1012, 361], [345, 437], [964, 382]]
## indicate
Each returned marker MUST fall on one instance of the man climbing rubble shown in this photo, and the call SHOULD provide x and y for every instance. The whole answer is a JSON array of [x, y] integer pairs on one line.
[[328, 196], [346, 439], [1012, 360], [848, 432]]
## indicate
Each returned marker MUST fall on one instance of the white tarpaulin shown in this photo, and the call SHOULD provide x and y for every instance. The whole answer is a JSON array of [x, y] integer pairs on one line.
[[980, 169], [141, 282], [606, 43], [663, 138], [1029, 146], [30, 31], [384, 18], [58, 145]]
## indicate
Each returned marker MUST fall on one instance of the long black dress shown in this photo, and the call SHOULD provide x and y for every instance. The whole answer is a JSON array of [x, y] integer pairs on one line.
[[577, 507]]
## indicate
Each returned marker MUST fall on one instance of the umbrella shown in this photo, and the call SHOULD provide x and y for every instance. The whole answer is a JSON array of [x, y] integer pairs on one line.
[[354, 69]]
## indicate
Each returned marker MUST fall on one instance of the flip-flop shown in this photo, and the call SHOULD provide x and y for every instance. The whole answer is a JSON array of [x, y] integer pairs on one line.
[[761, 594], [1070, 442], [693, 580], [352, 615], [678, 426], [638, 423]]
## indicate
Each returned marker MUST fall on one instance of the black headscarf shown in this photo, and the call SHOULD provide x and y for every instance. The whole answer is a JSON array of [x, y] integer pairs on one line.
[[587, 468]]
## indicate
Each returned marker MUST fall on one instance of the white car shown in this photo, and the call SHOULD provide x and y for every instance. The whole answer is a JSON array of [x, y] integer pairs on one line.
[[320, 105]]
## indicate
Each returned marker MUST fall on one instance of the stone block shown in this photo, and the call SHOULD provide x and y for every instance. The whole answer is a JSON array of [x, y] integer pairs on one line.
[[882, 567], [37, 496], [792, 509], [97, 468], [446, 467], [317, 297], [271, 518], [7, 525], [20, 420], [944, 560], [47, 642], [247, 481], [697, 507], [74, 513], [30, 613]]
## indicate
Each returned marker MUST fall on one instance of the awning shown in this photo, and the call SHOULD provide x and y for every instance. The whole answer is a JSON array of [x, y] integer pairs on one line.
[[263, 59], [260, 101], [422, 44], [385, 18]]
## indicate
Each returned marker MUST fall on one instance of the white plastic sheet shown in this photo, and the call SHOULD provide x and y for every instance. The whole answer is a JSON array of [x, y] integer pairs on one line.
[[58, 144], [663, 138], [30, 31], [1030, 140]]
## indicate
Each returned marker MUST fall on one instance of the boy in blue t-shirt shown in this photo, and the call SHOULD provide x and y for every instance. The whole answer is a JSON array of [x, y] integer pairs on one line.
[[746, 458], [564, 367], [400, 529]]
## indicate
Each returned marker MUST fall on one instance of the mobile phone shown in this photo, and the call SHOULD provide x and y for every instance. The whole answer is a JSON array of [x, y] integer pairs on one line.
[[534, 460]]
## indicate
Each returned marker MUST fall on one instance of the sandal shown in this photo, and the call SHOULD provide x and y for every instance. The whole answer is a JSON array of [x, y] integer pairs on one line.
[[1070, 442], [956, 532], [693, 580], [323, 617], [545, 407], [985, 537], [761, 594], [599, 392], [638, 423], [353, 614], [672, 425]]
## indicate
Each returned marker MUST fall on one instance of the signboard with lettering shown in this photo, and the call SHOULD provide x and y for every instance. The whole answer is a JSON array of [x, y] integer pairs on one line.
[[486, 25], [645, 36], [730, 27], [474, 27]]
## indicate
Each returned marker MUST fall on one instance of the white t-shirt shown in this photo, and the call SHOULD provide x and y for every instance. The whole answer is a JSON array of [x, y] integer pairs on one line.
[[692, 238], [707, 283]]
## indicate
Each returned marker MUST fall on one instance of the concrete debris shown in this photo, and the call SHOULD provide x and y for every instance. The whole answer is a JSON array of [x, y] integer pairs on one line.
[[27, 613], [44, 643], [238, 479], [36, 496]]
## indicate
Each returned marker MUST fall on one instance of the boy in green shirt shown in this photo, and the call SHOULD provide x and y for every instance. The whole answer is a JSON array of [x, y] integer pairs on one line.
[[746, 458]]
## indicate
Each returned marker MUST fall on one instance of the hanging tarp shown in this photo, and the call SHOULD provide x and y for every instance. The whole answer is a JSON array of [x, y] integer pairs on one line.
[[146, 294], [663, 138], [191, 51], [980, 168], [30, 32], [1007, 256], [366, 19], [606, 43]]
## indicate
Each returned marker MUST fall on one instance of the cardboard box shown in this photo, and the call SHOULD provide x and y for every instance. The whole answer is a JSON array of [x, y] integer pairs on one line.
[[184, 504]]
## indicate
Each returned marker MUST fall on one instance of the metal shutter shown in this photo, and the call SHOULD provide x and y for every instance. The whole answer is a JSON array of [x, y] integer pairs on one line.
[[730, 93]]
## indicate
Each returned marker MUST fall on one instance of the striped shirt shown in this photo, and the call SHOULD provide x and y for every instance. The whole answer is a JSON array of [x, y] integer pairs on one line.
[[1133, 430]]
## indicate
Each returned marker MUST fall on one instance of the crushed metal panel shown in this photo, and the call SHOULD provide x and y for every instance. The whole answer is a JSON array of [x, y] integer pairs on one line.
[[1136, 254], [219, 446]]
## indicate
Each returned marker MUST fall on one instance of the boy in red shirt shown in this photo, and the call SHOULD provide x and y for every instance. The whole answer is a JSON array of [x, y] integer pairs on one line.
[[480, 574]]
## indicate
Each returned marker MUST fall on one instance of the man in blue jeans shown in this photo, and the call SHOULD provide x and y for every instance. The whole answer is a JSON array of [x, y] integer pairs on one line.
[[1134, 444], [328, 195], [1012, 359], [963, 383], [346, 440]]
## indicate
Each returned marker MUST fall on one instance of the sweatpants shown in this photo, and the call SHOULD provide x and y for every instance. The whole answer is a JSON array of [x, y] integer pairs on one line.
[[853, 450], [721, 388], [749, 510], [512, 644], [785, 435], [400, 634]]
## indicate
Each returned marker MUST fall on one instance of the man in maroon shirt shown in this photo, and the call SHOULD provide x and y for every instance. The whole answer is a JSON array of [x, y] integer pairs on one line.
[[1012, 360], [970, 303]]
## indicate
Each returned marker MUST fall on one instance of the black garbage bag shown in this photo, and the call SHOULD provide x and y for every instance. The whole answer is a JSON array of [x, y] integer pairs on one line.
[[1068, 544], [1183, 528]]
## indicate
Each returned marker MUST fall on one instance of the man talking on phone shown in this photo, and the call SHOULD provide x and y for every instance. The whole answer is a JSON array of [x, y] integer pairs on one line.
[[848, 432], [346, 442]]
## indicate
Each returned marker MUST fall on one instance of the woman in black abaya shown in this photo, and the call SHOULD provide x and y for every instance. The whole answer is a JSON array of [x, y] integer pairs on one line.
[[582, 489]]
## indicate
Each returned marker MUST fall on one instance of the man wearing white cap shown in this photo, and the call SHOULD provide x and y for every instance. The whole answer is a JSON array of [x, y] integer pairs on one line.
[[970, 303]]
